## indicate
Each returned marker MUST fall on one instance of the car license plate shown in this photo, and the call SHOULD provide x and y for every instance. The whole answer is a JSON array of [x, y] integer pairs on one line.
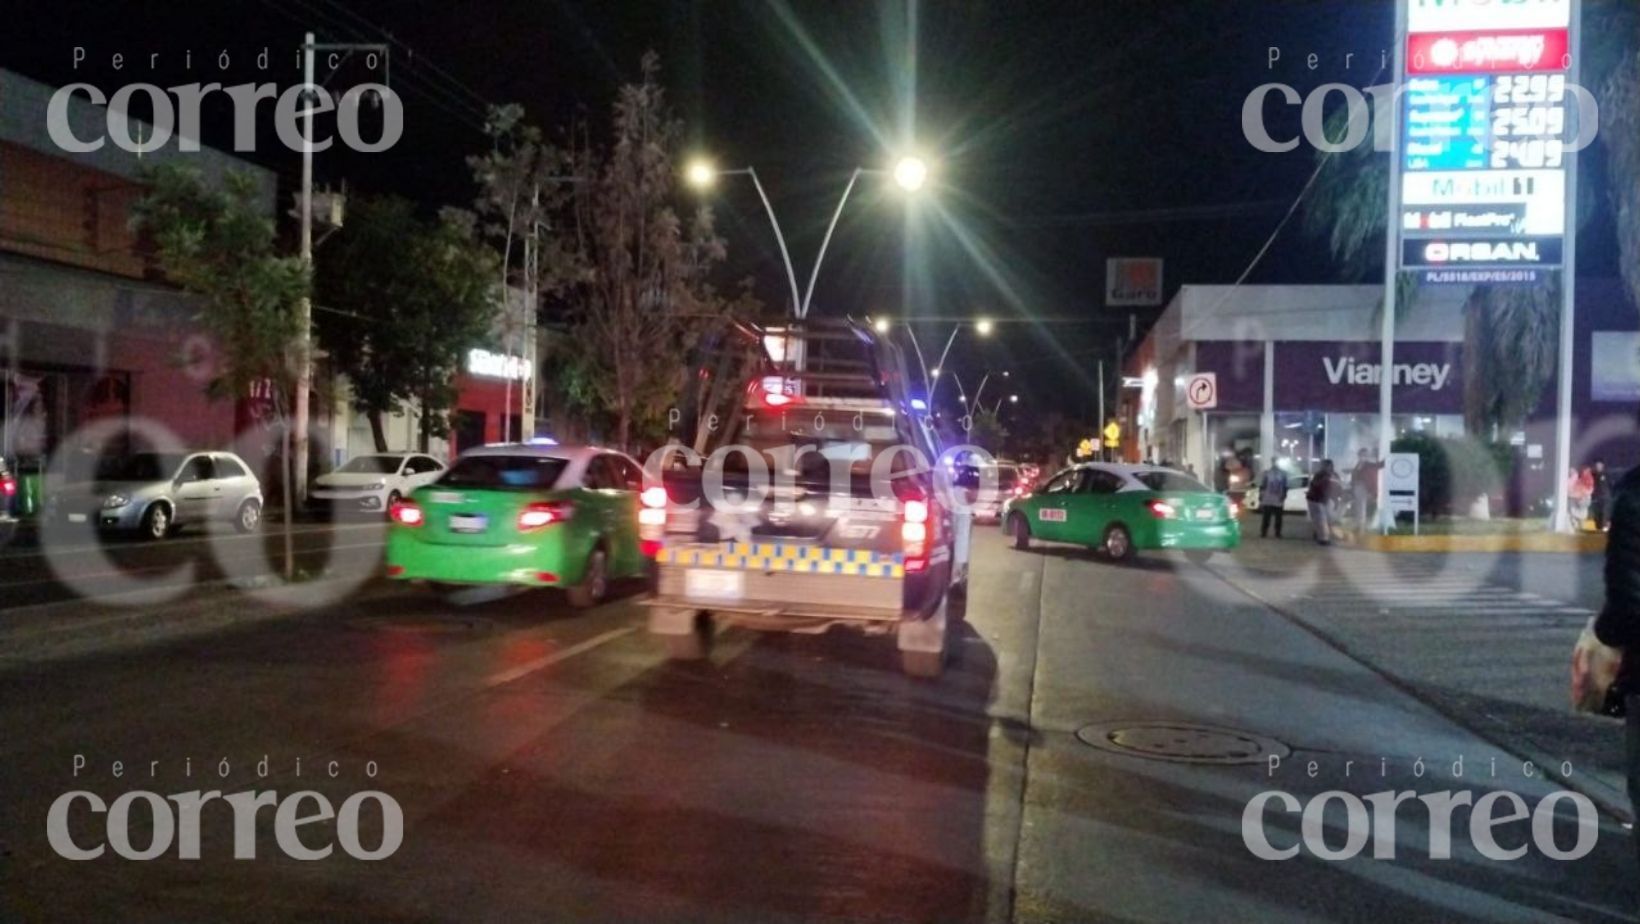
[[76, 518], [1204, 513], [714, 585], [468, 523]]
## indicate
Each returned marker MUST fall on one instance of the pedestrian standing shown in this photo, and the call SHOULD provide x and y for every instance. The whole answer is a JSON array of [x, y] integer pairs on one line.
[[1363, 487], [1324, 489], [1618, 624], [1579, 494], [1600, 497], [1272, 498]]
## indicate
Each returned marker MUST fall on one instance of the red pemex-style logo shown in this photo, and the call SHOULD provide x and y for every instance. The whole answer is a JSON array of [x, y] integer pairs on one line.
[[1523, 51]]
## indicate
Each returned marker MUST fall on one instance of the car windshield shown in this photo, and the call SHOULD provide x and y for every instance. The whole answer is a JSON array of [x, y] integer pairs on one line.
[[793, 440], [1158, 480], [505, 473], [142, 466], [371, 465]]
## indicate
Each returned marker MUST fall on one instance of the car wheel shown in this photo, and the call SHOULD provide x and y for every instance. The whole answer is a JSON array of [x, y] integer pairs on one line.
[[249, 517], [1118, 543], [1021, 531], [594, 582], [1199, 556], [156, 522]]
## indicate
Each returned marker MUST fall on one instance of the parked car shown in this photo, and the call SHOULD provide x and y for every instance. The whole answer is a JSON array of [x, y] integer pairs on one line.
[[1120, 509], [155, 493], [373, 483], [538, 516], [1297, 486]]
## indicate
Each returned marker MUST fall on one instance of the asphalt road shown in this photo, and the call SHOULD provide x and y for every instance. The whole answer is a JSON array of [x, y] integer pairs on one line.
[[78, 563], [550, 765]]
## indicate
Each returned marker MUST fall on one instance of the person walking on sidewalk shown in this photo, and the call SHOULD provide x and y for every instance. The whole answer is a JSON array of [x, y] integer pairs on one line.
[[1618, 624], [1324, 489], [1272, 497]]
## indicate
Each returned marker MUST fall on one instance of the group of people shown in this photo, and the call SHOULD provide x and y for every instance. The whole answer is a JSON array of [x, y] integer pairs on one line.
[[1327, 488], [1589, 496]]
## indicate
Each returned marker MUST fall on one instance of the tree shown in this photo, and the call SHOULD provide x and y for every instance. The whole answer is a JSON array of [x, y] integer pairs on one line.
[[1510, 332], [217, 242], [631, 272], [403, 300]]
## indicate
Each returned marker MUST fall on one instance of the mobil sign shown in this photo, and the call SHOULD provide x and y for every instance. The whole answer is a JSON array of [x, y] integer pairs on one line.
[[1457, 15]]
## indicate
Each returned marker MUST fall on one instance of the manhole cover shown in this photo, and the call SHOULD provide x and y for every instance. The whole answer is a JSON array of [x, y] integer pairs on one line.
[[1181, 742]]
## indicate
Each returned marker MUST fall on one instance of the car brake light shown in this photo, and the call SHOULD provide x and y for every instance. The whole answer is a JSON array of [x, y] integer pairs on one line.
[[916, 511], [407, 513], [914, 535], [8, 486], [1235, 509], [1162, 510], [542, 514], [655, 497]]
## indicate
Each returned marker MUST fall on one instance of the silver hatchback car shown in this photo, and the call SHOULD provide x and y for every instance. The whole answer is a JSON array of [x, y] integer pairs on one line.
[[153, 493]]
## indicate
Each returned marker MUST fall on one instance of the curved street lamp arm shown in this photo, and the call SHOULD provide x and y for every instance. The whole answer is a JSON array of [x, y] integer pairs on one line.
[[803, 310], [791, 274]]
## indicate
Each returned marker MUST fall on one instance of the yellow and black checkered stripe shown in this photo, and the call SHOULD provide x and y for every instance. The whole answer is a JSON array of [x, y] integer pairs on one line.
[[780, 556]]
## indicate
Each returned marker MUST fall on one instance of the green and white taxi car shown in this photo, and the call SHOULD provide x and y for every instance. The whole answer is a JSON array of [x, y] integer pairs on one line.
[[524, 514], [1121, 509]]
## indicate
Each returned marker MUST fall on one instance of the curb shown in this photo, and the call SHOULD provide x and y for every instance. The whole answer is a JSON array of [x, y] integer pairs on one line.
[[1576, 544], [1596, 794]]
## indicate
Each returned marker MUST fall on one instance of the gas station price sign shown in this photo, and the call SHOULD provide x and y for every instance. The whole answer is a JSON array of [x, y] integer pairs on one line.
[[1484, 129]]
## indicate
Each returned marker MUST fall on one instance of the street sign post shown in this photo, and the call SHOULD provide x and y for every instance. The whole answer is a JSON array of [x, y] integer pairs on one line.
[[1400, 486]]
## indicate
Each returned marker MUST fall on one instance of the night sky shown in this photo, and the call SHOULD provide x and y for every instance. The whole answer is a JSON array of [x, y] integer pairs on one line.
[[1064, 132]]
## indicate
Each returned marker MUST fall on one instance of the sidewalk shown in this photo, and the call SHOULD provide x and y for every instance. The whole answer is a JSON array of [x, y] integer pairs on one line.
[[1485, 638]]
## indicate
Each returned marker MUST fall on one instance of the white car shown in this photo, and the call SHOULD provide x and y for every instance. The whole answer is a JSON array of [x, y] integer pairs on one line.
[[373, 483], [1297, 485]]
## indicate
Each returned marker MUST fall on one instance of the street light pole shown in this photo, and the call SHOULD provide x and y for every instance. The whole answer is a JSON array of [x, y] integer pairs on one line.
[[304, 309]]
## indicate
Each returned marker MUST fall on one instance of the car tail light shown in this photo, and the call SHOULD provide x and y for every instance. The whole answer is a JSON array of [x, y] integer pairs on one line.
[[542, 514], [8, 486], [1162, 510], [407, 513], [395, 570], [1235, 510], [546, 577]]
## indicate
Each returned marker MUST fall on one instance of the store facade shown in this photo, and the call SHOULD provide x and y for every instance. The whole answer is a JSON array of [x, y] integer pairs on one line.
[[1296, 376]]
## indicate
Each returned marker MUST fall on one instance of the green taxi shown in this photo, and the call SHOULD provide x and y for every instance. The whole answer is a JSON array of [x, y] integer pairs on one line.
[[524, 514], [1123, 508]]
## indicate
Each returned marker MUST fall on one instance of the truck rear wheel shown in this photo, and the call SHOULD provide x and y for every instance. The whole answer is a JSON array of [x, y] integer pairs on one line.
[[692, 645], [925, 664]]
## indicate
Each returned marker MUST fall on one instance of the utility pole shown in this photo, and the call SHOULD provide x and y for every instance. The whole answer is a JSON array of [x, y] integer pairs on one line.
[[1101, 424], [304, 310]]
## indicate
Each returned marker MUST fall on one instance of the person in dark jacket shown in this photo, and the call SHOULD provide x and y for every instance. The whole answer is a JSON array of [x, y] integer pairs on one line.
[[1600, 497], [1618, 624], [1324, 489]]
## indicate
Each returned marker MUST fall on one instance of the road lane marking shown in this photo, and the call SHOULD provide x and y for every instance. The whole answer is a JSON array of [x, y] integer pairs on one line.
[[530, 667]]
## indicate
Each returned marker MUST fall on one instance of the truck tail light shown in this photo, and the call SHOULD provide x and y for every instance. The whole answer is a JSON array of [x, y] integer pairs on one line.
[[914, 535], [407, 513], [542, 514], [654, 498], [1162, 510]]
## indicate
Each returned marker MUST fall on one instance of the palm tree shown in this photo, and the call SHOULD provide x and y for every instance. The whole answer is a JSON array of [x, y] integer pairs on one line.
[[1510, 332]]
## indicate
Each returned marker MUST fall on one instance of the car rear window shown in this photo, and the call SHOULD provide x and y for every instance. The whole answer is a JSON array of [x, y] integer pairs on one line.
[[515, 473], [1170, 481], [371, 465]]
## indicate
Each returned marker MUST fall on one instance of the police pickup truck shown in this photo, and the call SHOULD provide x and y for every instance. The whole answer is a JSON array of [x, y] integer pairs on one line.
[[817, 504]]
